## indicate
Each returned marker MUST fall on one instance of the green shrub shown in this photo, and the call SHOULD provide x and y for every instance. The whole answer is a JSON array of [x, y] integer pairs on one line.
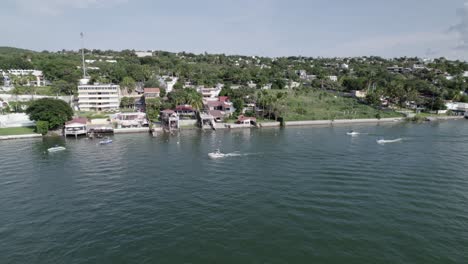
[[42, 127]]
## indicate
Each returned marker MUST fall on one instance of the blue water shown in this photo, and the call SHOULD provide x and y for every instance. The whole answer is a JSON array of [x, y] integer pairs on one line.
[[295, 195]]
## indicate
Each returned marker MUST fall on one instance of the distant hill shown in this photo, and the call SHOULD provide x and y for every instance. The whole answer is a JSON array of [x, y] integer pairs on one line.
[[11, 50]]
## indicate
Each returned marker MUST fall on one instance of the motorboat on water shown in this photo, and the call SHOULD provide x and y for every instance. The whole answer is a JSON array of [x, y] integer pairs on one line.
[[215, 155], [105, 142], [352, 133], [56, 148]]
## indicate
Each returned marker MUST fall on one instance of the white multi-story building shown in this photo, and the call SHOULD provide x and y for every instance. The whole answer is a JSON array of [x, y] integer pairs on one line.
[[209, 93], [98, 97], [40, 80], [142, 54]]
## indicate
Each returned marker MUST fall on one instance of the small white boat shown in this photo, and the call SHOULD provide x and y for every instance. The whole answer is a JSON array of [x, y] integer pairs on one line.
[[352, 133], [56, 149], [105, 142], [384, 141], [216, 155]]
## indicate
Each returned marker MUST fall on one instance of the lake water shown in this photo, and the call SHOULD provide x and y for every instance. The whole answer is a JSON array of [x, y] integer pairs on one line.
[[295, 195]]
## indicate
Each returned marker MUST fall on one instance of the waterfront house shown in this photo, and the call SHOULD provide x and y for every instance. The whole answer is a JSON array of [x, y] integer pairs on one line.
[[76, 127], [457, 108], [217, 116], [222, 104], [246, 120], [169, 119], [185, 111], [130, 120]]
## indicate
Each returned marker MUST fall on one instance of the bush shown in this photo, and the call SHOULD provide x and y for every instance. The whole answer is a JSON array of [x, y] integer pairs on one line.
[[55, 112], [42, 127]]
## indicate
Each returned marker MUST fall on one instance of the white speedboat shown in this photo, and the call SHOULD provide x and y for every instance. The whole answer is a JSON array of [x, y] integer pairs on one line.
[[352, 133], [106, 141], [216, 155], [384, 141], [56, 149]]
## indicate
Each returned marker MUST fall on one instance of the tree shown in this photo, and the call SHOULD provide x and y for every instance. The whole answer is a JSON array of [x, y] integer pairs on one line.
[[194, 99], [162, 92], [238, 105], [42, 127], [152, 106], [178, 85], [438, 104], [54, 111], [278, 84], [129, 84], [63, 87], [152, 83], [186, 96], [373, 98]]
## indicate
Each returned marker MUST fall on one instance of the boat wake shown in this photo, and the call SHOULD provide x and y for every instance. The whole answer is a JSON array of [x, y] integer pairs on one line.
[[219, 155], [384, 141]]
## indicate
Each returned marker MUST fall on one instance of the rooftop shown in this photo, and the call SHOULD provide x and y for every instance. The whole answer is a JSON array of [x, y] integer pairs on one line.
[[151, 90], [79, 120]]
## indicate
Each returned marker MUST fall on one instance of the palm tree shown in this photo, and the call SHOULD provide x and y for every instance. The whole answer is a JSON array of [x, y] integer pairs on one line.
[[195, 100]]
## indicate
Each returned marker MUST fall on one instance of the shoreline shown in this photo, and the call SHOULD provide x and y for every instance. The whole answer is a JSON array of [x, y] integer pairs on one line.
[[24, 136], [273, 124]]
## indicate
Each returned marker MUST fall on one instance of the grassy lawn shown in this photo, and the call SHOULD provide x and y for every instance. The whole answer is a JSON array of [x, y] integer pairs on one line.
[[42, 90], [16, 131], [92, 115], [321, 105]]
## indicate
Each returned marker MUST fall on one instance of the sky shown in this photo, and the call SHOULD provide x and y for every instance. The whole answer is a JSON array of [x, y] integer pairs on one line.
[[317, 28]]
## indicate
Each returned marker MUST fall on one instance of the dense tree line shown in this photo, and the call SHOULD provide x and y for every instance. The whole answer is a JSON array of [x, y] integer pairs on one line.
[[63, 69]]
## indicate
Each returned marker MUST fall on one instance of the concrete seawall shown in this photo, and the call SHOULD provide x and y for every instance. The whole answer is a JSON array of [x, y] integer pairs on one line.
[[269, 124], [446, 117], [20, 136], [341, 121], [131, 130]]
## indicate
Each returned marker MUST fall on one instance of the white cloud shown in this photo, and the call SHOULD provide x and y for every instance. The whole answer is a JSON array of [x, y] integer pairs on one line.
[[56, 7]]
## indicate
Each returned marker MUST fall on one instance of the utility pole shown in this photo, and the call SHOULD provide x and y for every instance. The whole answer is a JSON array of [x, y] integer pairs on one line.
[[82, 55]]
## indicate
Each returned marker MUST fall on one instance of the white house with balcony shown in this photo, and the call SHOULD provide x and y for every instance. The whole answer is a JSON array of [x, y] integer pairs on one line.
[[98, 97], [210, 93]]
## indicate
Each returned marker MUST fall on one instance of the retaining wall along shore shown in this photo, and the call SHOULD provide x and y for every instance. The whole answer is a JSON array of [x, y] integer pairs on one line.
[[341, 121], [20, 136]]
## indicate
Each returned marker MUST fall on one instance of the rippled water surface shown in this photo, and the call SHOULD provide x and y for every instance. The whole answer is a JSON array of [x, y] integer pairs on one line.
[[295, 195]]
